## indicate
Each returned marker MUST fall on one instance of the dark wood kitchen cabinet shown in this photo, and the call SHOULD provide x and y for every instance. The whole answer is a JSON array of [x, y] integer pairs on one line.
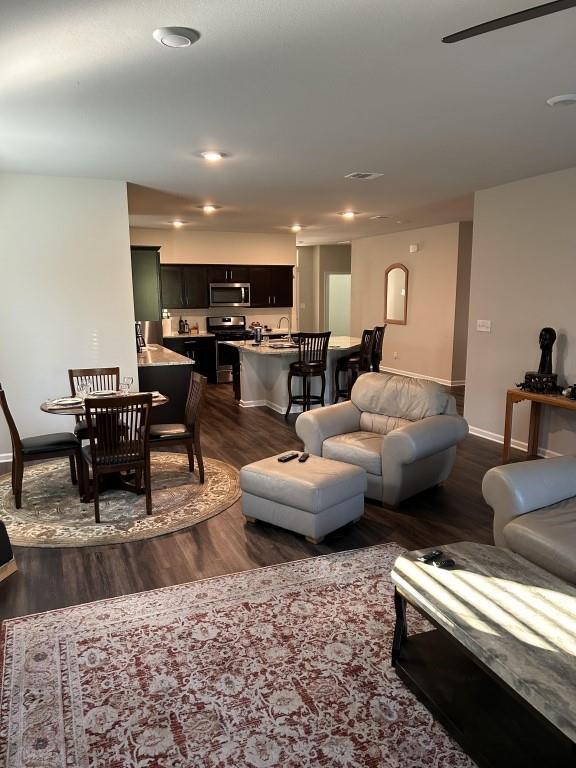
[[146, 282], [201, 349], [184, 286], [228, 273], [271, 286]]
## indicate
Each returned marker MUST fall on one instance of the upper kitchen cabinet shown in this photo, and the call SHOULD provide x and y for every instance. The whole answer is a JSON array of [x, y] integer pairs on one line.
[[172, 286], [195, 286], [146, 282], [282, 286], [184, 286], [228, 273], [271, 286]]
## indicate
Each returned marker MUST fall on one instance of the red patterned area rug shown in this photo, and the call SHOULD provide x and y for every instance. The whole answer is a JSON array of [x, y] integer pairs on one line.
[[281, 666]]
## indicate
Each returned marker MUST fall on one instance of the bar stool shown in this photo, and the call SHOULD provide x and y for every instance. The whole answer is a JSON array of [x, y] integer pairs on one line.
[[312, 356], [377, 341], [353, 365]]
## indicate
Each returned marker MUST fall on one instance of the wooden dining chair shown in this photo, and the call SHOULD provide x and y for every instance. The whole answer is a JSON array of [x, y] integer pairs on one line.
[[95, 378], [50, 446], [311, 363], [118, 431], [188, 433]]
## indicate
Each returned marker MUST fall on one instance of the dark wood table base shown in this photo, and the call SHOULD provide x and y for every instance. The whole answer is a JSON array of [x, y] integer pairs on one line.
[[489, 721]]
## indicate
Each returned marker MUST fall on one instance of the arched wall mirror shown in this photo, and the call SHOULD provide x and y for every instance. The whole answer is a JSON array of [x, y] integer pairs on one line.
[[396, 294]]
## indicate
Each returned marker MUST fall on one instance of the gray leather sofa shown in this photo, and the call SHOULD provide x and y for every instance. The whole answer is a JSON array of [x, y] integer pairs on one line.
[[534, 505], [402, 431]]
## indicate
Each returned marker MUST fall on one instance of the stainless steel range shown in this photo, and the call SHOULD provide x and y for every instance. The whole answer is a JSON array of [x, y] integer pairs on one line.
[[227, 328]]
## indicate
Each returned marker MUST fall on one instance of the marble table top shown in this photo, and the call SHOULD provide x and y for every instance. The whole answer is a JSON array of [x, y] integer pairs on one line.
[[516, 618]]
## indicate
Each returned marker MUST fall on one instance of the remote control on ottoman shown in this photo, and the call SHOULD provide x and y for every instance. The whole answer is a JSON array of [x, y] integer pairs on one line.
[[7, 562]]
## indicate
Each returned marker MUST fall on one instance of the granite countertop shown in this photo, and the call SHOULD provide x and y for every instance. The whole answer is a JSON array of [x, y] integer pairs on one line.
[[516, 618], [187, 335], [344, 343], [155, 355]]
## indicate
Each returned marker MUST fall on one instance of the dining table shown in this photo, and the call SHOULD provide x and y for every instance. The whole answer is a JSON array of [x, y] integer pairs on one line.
[[74, 406]]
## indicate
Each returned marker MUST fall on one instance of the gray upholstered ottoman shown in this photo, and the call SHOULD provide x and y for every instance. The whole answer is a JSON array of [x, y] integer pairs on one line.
[[312, 498]]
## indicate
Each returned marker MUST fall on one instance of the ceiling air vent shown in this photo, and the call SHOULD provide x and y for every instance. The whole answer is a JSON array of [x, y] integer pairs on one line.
[[363, 175]]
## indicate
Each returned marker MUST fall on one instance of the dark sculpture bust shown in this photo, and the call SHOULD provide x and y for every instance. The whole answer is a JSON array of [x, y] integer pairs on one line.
[[547, 339], [544, 380]]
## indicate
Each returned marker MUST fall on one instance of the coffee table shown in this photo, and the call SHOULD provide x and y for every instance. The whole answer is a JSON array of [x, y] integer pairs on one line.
[[499, 668]]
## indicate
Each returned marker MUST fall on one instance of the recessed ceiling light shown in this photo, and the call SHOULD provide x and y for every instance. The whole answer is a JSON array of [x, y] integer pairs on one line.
[[343, 242], [564, 100], [379, 216], [348, 215], [212, 156], [296, 228], [176, 37], [177, 224], [210, 208]]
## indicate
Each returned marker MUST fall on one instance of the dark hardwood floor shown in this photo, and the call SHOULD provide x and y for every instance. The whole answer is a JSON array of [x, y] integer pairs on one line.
[[53, 578]]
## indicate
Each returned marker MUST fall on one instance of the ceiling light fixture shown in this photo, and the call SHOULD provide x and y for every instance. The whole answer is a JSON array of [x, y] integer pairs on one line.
[[211, 156], [177, 224], [176, 37], [296, 228], [209, 208], [564, 100], [348, 215]]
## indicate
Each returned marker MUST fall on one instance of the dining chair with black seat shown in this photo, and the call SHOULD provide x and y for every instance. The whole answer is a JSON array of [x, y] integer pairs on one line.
[[118, 431], [51, 446], [311, 363], [352, 366], [92, 379], [187, 433]]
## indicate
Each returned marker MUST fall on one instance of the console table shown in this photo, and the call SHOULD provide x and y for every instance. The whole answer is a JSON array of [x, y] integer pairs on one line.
[[498, 671], [537, 400]]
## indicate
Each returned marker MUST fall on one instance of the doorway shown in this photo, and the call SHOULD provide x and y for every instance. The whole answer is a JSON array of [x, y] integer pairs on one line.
[[337, 304]]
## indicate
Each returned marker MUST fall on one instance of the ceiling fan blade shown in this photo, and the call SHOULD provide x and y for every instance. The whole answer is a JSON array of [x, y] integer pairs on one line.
[[512, 18]]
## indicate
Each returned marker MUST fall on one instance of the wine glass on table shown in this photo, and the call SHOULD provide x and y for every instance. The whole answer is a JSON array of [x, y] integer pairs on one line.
[[126, 385]]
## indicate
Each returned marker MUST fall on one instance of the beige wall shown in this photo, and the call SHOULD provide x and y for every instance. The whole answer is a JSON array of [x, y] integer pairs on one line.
[[523, 278], [182, 246], [428, 344], [65, 291], [306, 308]]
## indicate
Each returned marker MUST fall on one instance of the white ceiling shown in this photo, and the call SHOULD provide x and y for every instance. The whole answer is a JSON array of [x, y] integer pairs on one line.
[[300, 93]]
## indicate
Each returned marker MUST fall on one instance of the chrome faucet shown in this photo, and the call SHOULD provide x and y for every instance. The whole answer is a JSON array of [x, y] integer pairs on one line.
[[289, 326]]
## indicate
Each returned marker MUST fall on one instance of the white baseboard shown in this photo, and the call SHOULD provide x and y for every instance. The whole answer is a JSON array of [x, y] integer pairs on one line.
[[412, 375], [519, 444], [5, 457], [262, 404]]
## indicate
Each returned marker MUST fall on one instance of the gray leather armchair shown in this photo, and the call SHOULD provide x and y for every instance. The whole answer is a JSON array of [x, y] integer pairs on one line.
[[534, 505], [402, 431]]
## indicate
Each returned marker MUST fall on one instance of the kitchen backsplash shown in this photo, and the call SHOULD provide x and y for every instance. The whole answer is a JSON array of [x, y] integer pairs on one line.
[[270, 317]]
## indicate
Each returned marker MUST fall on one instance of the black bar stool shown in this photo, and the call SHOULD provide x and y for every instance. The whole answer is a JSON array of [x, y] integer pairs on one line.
[[368, 358], [312, 355]]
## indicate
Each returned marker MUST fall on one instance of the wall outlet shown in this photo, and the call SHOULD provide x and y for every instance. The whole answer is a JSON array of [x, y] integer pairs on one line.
[[413, 248], [395, 355], [484, 325]]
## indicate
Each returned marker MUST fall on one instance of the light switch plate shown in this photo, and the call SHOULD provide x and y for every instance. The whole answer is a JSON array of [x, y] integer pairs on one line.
[[484, 326]]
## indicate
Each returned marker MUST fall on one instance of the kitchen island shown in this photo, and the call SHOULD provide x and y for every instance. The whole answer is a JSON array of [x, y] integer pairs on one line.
[[264, 372], [166, 371]]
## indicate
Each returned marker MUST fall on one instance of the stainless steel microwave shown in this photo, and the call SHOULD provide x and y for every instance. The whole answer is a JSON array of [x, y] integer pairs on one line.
[[229, 294]]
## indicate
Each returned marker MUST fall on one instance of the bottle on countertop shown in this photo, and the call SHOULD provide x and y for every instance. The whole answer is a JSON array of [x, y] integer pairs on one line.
[[195, 330], [181, 325], [186, 327]]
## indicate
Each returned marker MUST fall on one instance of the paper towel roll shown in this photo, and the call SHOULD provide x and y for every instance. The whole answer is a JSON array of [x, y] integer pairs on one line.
[[166, 326]]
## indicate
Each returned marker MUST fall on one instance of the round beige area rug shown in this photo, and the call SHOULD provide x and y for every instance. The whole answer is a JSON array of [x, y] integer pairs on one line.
[[53, 516]]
